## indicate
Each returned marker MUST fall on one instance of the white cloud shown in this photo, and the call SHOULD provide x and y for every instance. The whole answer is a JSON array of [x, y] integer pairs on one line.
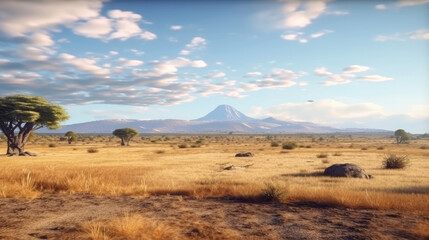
[[278, 78], [83, 64], [216, 75], [119, 14], [326, 111], [130, 63], [407, 3], [334, 79], [375, 78], [419, 111], [337, 13], [380, 7], [94, 28], [294, 37], [137, 52], [32, 53], [185, 52], [196, 43], [320, 34], [347, 75], [125, 25], [176, 27], [41, 39], [422, 34], [355, 69], [253, 74], [113, 53], [146, 35], [20, 17], [300, 14], [290, 37]]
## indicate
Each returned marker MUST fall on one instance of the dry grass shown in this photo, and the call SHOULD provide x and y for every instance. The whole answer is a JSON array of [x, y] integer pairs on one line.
[[141, 170], [421, 230], [130, 226]]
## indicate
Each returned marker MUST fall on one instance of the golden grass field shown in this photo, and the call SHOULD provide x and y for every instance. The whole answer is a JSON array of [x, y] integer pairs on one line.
[[156, 165]]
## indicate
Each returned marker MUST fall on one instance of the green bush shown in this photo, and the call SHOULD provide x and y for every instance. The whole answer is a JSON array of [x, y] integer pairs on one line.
[[393, 161]]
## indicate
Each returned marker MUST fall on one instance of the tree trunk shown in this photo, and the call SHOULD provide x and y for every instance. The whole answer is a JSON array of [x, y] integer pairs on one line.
[[122, 142], [16, 144]]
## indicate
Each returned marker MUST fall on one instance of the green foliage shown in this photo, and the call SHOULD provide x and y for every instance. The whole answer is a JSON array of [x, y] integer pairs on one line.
[[393, 161], [21, 114], [125, 134], [71, 136], [402, 136], [34, 109]]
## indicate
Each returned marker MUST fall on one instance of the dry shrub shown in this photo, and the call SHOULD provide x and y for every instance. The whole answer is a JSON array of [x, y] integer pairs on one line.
[[130, 226], [160, 151], [380, 148], [289, 145], [322, 155], [275, 144], [183, 145], [52, 145], [325, 160], [92, 150], [393, 161], [274, 192], [337, 154]]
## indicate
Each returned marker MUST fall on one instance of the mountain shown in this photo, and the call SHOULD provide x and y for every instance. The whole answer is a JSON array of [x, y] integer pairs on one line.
[[226, 113], [222, 119]]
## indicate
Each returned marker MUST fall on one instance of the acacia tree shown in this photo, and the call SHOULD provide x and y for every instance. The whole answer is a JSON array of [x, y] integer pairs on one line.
[[71, 137], [402, 136], [21, 114], [125, 134]]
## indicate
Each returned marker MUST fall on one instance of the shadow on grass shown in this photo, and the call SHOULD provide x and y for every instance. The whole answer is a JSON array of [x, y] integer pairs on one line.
[[304, 174], [410, 190]]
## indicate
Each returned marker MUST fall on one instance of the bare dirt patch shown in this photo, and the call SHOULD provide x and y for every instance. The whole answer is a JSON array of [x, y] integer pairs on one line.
[[60, 216]]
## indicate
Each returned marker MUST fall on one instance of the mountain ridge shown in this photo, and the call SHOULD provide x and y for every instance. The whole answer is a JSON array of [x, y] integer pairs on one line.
[[223, 118]]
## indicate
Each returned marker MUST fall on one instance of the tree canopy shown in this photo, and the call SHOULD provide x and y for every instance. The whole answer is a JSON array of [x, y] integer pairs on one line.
[[125, 134], [21, 114], [402, 136], [71, 136]]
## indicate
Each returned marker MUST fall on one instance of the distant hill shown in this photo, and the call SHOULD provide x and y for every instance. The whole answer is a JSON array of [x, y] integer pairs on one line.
[[223, 118]]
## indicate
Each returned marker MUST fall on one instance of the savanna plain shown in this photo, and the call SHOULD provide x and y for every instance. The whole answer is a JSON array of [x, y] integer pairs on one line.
[[193, 187]]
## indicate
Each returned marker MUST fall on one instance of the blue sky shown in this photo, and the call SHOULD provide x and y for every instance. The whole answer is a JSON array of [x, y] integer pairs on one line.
[[363, 63]]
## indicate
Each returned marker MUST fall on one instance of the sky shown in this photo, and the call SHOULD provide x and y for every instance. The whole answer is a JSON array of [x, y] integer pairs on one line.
[[344, 64]]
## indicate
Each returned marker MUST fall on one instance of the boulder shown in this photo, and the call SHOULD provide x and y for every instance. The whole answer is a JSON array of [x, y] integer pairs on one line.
[[246, 154], [346, 170]]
